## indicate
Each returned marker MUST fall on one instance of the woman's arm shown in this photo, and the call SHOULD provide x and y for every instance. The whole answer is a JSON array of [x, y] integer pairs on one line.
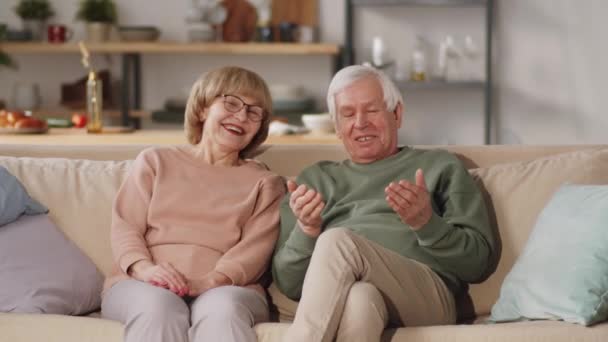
[[130, 212], [246, 261]]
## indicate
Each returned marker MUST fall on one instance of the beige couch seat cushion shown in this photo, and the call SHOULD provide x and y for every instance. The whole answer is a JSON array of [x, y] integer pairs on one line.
[[538, 331], [58, 328], [517, 192]]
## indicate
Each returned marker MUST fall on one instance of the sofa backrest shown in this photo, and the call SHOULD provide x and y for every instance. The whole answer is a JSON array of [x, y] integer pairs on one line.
[[79, 192]]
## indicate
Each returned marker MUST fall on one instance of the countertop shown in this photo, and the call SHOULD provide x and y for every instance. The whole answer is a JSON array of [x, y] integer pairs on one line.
[[75, 136]]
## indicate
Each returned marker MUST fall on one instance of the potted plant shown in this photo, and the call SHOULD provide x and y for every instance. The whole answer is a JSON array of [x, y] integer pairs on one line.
[[6, 61], [34, 14], [99, 15]]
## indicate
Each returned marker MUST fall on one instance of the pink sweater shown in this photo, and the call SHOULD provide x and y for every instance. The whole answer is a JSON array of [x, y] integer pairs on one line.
[[198, 217]]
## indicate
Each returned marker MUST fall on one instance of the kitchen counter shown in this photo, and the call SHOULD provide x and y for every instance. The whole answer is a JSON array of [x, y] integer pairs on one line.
[[74, 136]]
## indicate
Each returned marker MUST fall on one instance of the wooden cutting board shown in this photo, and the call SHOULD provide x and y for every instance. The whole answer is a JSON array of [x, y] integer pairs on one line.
[[301, 12]]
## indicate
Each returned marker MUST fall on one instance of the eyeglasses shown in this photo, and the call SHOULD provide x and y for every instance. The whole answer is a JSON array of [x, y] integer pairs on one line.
[[233, 104]]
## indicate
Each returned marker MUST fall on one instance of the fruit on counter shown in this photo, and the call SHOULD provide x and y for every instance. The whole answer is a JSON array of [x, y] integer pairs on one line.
[[9, 118], [13, 116], [29, 122], [18, 120], [79, 120]]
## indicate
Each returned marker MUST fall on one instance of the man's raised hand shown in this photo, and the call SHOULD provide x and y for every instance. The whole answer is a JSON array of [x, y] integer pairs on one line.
[[307, 205]]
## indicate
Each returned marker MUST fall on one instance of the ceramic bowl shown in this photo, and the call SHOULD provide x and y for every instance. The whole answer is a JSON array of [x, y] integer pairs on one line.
[[318, 123]]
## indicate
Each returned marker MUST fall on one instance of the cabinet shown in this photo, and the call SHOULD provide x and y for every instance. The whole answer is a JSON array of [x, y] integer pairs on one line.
[[131, 59], [485, 86]]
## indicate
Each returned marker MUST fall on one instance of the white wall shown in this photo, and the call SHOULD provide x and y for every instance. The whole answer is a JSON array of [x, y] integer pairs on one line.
[[551, 71], [549, 68]]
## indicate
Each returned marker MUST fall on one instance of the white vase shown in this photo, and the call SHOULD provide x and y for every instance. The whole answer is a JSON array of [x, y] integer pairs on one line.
[[97, 32]]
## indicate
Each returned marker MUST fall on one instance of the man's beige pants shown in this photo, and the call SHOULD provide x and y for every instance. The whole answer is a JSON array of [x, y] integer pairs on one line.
[[354, 287]]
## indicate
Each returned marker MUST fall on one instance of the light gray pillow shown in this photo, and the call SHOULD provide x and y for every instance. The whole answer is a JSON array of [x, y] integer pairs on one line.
[[41, 271], [562, 273], [14, 199]]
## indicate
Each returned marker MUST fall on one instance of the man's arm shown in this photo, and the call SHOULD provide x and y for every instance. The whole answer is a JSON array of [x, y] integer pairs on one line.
[[461, 239], [458, 234], [292, 254], [450, 220], [300, 226]]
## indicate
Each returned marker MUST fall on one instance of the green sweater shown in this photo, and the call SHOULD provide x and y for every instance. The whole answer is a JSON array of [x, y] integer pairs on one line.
[[456, 243]]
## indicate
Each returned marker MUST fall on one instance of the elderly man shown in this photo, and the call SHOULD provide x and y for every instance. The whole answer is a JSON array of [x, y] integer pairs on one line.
[[388, 237]]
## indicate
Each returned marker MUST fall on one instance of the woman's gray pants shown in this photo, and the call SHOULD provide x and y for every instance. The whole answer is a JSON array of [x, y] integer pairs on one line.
[[151, 313]]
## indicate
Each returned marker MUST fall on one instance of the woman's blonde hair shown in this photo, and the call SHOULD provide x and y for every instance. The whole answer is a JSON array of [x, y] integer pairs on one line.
[[227, 80]]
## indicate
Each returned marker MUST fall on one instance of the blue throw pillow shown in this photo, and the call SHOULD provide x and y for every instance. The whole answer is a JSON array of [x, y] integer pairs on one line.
[[562, 273], [14, 200]]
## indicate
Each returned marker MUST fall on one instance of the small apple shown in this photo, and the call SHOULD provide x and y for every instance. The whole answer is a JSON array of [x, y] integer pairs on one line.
[[79, 120]]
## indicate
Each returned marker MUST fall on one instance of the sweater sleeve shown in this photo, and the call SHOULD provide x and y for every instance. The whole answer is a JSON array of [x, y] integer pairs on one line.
[[129, 214], [293, 252], [459, 234], [246, 261]]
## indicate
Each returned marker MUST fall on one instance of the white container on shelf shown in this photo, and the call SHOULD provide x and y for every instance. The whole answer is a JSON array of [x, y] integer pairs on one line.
[[379, 57], [473, 65], [453, 60], [318, 123]]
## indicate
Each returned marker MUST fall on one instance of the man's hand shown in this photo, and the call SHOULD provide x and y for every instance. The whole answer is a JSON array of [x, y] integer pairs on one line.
[[161, 275], [411, 201], [307, 205], [211, 280]]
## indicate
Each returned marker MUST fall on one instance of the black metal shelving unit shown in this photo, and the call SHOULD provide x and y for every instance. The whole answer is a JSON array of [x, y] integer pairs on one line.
[[348, 54]]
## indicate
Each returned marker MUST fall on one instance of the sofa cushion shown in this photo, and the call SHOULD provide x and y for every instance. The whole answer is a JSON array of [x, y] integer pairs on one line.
[[563, 270], [27, 328], [14, 199], [516, 194], [43, 272], [79, 195], [541, 331], [58, 328]]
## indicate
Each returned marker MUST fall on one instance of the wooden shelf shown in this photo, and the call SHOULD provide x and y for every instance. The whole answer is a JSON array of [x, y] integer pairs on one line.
[[409, 85], [454, 3], [174, 47]]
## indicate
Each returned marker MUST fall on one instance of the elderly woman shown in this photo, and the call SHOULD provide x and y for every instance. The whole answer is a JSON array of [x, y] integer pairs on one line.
[[193, 227]]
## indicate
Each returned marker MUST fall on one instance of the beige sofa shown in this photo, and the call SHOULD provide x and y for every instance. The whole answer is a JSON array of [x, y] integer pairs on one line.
[[518, 180]]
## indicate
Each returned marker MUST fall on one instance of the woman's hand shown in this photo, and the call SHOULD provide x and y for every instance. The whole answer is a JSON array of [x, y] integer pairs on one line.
[[411, 201], [161, 275], [307, 205], [211, 280]]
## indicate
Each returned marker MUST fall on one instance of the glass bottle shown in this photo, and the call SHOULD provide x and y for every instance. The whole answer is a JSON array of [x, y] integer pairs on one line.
[[94, 104], [418, 72]]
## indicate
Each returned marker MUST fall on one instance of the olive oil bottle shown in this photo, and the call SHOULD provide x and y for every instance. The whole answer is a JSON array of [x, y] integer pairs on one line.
[[94, 104]]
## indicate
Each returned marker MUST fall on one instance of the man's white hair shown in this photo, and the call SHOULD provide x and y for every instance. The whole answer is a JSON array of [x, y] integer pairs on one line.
[[353, 73]]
